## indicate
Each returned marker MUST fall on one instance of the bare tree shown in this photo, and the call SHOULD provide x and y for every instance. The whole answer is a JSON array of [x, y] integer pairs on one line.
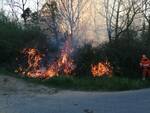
[[22, 6], [2, 3], [109, 15], [145, 9], [53, 21], [38, 6], [51, 18], [71, 11], [10, 3], [120, 15]]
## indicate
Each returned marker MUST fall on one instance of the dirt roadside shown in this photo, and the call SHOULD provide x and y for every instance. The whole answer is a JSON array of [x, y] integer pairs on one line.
[[12, 86]]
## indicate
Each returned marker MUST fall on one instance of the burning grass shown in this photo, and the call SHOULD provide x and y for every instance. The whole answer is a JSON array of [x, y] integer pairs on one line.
[[102, 69], [64, 65], [33, 67], [58, 73]]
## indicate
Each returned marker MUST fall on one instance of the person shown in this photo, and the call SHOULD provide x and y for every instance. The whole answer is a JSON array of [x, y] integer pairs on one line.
[[145, 65]]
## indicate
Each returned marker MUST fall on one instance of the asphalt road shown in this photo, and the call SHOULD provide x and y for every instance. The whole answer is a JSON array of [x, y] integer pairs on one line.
[[74, 102]]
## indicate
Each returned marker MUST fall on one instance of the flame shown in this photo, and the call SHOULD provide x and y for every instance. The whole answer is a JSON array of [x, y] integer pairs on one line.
[[34, 58], [33, 63], [101, 69], [64, 65]]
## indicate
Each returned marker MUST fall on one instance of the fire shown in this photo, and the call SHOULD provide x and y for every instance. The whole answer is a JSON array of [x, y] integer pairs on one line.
[[63, 66], [34, 58], [101, 69], [65, 62], [32, 68]]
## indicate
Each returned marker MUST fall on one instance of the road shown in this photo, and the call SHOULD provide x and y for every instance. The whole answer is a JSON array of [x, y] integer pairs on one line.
[[53, 101]]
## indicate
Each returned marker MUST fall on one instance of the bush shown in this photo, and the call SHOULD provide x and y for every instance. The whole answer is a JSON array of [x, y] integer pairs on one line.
[[13, 37], [146, 42], [124, 55], [83, 60]]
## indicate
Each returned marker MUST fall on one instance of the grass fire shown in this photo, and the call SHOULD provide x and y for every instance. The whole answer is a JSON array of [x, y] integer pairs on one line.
[[102, 69], [75, 40], [64, 65], [58, 56]]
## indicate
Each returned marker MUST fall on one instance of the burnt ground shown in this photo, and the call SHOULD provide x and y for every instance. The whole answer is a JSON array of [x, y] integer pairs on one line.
[[18, 96]]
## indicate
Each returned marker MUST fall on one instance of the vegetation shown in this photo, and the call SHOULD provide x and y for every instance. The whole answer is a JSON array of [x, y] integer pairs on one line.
[[127, 41], [14, 37], [86, 83], [124, 55], [99, 84]]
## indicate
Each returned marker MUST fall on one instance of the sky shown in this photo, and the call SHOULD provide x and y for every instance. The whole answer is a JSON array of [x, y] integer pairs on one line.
[[31, 4]]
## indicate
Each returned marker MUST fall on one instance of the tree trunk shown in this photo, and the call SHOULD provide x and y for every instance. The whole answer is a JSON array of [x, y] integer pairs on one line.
[[109, 35], [117, 21], [149, 29]]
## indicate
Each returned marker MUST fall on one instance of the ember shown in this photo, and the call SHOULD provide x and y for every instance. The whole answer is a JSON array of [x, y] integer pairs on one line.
[[102, 69]]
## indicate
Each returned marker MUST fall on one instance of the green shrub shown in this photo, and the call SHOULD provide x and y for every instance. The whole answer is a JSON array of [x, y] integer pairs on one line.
[[14, 37], [84, 57], [124, 55]]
